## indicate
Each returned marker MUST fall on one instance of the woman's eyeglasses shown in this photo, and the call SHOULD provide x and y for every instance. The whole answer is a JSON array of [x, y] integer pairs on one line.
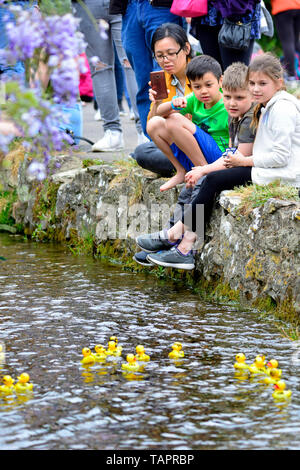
[[168, 56]]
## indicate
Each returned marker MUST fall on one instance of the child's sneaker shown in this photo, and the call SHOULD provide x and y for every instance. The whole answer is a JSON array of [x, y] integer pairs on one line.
[[173, 258], [153, 242], [141, 258]]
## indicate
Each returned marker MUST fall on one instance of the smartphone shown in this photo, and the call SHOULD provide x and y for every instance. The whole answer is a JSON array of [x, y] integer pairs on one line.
[[158, 83]]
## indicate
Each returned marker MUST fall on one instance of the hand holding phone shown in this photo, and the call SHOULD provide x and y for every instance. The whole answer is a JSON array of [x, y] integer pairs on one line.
[[158, 84]]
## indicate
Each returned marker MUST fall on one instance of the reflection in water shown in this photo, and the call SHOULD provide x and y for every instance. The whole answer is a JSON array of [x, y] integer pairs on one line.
[[53, 304]]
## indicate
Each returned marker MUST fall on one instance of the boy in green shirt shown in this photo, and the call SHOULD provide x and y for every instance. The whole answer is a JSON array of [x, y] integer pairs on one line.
[[201, 140]]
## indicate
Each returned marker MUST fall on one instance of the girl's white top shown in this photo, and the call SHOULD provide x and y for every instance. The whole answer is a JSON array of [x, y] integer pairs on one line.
[[276, 149]]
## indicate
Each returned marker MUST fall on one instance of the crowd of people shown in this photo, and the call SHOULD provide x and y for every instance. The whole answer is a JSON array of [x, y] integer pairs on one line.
[[226, 120]]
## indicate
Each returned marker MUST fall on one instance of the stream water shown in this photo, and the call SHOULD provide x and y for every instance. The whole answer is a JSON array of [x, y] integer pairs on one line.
[[52, 304]]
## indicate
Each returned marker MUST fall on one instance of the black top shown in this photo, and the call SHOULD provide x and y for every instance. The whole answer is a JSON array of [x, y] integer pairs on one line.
[[117, 7]]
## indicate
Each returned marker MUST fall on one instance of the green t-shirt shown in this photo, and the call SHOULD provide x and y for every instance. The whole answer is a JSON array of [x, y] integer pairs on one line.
[[214, 120]]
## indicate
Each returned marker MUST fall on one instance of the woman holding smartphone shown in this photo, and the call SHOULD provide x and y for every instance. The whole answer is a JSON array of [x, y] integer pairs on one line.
[[172, 51]]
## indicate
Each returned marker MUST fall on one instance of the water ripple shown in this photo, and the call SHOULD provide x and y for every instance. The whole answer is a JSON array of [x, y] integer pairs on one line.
[[53, 304]]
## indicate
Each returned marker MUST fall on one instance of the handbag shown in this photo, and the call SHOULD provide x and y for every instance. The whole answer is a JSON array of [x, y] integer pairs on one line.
[[235, 35], [189, 8]]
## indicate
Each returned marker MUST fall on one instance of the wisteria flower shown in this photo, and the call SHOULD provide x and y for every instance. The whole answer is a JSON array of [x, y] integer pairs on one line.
[[37, 171]]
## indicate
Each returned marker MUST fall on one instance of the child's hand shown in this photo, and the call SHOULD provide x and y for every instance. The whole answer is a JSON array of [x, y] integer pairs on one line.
[[193, 176], [179, 102], [234, 159]]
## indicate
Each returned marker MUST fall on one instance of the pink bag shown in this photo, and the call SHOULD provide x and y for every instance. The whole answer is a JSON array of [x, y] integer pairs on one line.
[[189, 8]]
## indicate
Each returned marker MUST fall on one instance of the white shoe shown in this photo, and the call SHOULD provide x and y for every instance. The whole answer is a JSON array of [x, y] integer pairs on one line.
[[131, 115], [142, 139], [292, 84], [112, 140], [97, 116]]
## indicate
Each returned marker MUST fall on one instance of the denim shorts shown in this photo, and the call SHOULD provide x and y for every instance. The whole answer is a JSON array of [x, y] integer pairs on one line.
[[206, 143]]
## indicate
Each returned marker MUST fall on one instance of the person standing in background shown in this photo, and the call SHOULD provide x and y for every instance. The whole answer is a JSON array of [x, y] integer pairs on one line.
[[100, 53], [286, 14], [140, 20], [206, 29]]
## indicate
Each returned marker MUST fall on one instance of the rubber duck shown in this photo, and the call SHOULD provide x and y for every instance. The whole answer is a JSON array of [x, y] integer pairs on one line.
[[8, 387], [132, 365], [140, 354], [100, 354], [115, 339], [88, 358], [176, 351], [240, 363], [272, 364], [273, 376], [23, 384], [258, 367], [280, 393], [113, 349]]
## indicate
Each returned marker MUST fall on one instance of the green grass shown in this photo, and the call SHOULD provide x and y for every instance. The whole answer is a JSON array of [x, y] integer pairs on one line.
[[91, 161], [7, 199], [255, 195]]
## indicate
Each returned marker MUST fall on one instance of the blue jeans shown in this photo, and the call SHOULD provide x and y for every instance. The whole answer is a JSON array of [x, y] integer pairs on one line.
[[17, 69], [139, 23]]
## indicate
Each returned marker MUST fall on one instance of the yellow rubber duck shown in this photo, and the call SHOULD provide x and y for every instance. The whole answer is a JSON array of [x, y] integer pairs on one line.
[[140, 354], [8, 387], [280, 393], [115, 339], [272, 364], [100, 352], [113, 349], [258, 367], [273, 376], [176, 351], [240, 363], [23, 384], [88, 358], [132, 365]]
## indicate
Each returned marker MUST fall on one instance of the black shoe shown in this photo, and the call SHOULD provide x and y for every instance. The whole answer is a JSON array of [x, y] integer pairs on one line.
[[141, 258]]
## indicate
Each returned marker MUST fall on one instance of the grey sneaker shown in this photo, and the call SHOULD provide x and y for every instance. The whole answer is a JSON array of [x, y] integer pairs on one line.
[[153, 242], [141, 258], [173, 258]]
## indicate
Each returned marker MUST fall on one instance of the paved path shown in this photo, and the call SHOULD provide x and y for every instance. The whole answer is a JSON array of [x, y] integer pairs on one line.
[[93, 130]]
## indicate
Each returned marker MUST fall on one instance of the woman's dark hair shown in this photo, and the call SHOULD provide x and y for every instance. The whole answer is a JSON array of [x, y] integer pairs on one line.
[[171, 30]]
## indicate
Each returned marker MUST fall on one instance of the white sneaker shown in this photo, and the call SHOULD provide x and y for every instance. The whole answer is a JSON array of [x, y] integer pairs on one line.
[[142, 139], [131, 115], [292, 84], [112, 140], [97, 116]]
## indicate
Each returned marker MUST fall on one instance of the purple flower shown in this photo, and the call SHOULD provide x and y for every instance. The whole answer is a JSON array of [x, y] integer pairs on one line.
[[37, 170]]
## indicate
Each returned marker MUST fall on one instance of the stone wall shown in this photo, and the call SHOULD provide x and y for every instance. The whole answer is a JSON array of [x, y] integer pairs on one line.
[[256, 255]]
